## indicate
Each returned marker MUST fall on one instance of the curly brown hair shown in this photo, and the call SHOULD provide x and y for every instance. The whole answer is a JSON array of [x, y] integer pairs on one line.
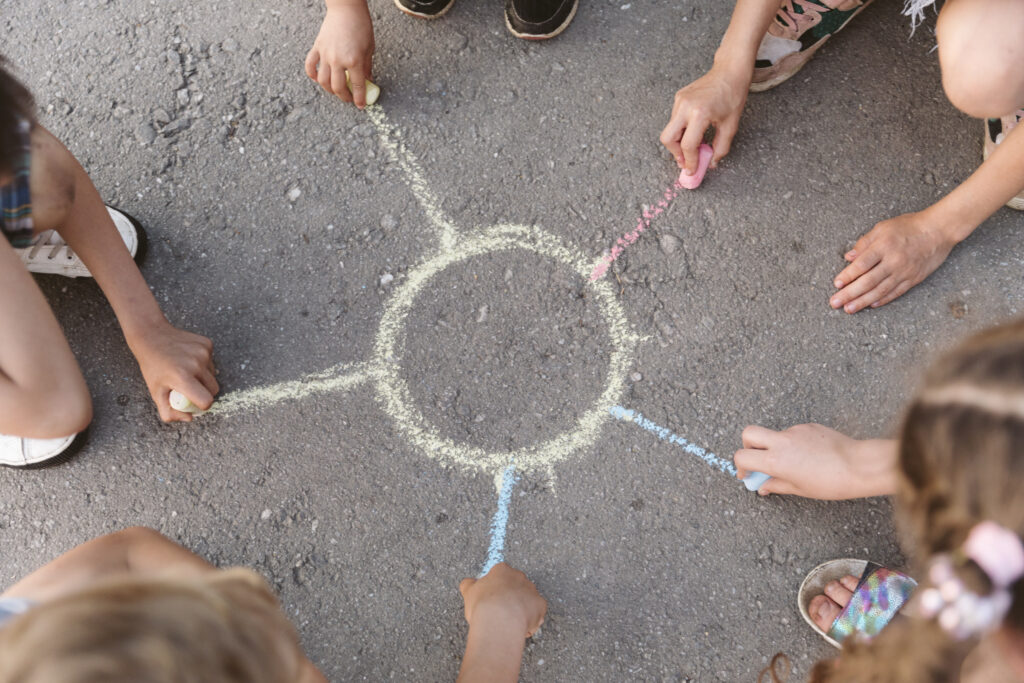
[[16, 103]]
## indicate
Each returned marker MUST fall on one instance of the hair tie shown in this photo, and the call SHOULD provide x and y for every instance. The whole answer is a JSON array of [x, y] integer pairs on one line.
[[960, 612], [998, 551]]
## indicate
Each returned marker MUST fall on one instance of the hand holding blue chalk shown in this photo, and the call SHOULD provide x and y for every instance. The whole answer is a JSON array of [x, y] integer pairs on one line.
[[755, 480]]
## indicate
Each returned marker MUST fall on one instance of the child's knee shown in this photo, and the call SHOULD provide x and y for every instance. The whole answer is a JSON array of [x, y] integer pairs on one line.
[[72, 413], [982, 55]]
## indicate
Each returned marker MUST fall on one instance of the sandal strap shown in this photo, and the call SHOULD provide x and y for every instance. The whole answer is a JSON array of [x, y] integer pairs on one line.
[[880, 594]]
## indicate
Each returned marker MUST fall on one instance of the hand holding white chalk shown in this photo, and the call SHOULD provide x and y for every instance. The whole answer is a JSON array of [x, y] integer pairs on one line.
[[180, 401]]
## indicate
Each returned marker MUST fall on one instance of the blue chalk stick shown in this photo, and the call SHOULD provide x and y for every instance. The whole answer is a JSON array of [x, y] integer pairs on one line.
[[755, 480]]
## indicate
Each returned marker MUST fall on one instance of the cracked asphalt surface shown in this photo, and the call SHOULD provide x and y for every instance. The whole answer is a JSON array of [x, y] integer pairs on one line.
[[275, 215]]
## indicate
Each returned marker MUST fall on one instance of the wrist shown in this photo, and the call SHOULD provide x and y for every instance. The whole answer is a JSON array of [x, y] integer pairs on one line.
[[339, 4], [139, 326], [948, 221], [877, 461], [500, 617], [736, 69]]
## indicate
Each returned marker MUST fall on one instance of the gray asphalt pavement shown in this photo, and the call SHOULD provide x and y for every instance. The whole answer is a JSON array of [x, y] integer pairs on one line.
[[282, 228]]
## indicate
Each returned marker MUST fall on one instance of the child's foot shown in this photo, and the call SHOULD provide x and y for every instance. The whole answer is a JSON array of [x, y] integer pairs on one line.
[[49, 254], [825, 608], [800, 27], [425, 9], [995, 131], [539, 19], [16, 451]]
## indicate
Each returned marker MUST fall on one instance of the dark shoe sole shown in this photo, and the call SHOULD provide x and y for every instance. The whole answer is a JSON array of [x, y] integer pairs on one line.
[[545, 36], [421, 15]]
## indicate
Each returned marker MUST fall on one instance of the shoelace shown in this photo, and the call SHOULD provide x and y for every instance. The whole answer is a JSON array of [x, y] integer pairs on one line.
[[50, 238], [810, 13]]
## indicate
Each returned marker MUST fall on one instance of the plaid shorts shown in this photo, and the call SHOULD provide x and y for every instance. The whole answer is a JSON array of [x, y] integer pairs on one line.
[[15, 199]]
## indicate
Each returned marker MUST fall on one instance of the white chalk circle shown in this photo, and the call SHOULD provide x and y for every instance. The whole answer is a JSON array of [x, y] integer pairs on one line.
[[396, 398]]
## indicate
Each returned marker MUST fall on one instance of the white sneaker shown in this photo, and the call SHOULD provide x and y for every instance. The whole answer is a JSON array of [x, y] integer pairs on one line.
[[49, 254], [16, 451]]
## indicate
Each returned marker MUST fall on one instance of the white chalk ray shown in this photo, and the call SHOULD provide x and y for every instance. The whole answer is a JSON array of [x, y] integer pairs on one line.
[[391, 140], [338, 378]]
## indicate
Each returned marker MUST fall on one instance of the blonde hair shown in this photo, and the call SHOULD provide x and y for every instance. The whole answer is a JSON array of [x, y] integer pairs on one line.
[[961, 462], [225, 627]]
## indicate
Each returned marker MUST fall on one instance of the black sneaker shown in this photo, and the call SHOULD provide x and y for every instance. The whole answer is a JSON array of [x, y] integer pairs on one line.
[[538, 19], [425, 9]]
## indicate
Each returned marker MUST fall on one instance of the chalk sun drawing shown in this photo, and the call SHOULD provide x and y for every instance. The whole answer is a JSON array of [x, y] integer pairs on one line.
[[383, 370]]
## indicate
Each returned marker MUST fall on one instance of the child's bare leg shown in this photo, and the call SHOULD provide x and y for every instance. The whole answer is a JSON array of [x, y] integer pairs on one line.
[[168, 357], [42, 392], [982, 60], [982, 55]]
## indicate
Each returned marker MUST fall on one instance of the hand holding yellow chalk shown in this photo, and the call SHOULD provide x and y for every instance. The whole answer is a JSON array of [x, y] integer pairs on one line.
[[372, 89], [181, 402]]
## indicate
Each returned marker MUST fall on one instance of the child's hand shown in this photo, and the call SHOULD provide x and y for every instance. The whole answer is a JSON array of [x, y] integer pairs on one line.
[[813, 461], [345, 43], [504, 595], [890, 259], [714, 99], [175, 359]]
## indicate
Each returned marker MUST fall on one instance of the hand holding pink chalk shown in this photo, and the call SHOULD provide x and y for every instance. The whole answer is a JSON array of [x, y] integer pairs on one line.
[[692, 182]]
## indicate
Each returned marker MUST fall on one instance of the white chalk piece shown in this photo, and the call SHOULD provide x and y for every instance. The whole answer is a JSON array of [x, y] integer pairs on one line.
[[755, 480], [180, 402], [372, 89]]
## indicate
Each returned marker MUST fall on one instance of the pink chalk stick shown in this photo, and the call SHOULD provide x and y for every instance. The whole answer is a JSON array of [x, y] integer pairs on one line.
[[692, 182]]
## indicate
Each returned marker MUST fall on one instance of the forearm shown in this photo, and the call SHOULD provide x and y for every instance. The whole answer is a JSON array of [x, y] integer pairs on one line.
[[494, 652], [738, 49], [92, 235], [876, 469], [87, 228], [993, 184]]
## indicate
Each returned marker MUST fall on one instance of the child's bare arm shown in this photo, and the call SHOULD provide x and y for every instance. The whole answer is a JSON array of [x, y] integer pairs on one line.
[[813, 461], [901, 252], [42, 392], [168, 357], [503, 610], [345, 43], [717, 98]]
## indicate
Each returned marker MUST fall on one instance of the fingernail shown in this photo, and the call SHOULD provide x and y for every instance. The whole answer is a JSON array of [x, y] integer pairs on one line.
[[838, 284], [874, 305], [834, 303], [851, 254], [850, 308]]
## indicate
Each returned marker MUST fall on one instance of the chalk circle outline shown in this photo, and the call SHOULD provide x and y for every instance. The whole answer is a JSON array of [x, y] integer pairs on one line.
[[397, 400]]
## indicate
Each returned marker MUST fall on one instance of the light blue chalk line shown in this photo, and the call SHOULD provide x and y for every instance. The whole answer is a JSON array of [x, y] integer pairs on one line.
[[666, 434], [496, 551]]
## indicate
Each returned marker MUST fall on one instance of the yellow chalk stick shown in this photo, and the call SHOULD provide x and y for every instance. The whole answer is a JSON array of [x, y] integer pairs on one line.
[[372, 89]]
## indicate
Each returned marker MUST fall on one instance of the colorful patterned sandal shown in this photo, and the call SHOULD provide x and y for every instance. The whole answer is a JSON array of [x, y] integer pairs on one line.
[[880, 594]]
